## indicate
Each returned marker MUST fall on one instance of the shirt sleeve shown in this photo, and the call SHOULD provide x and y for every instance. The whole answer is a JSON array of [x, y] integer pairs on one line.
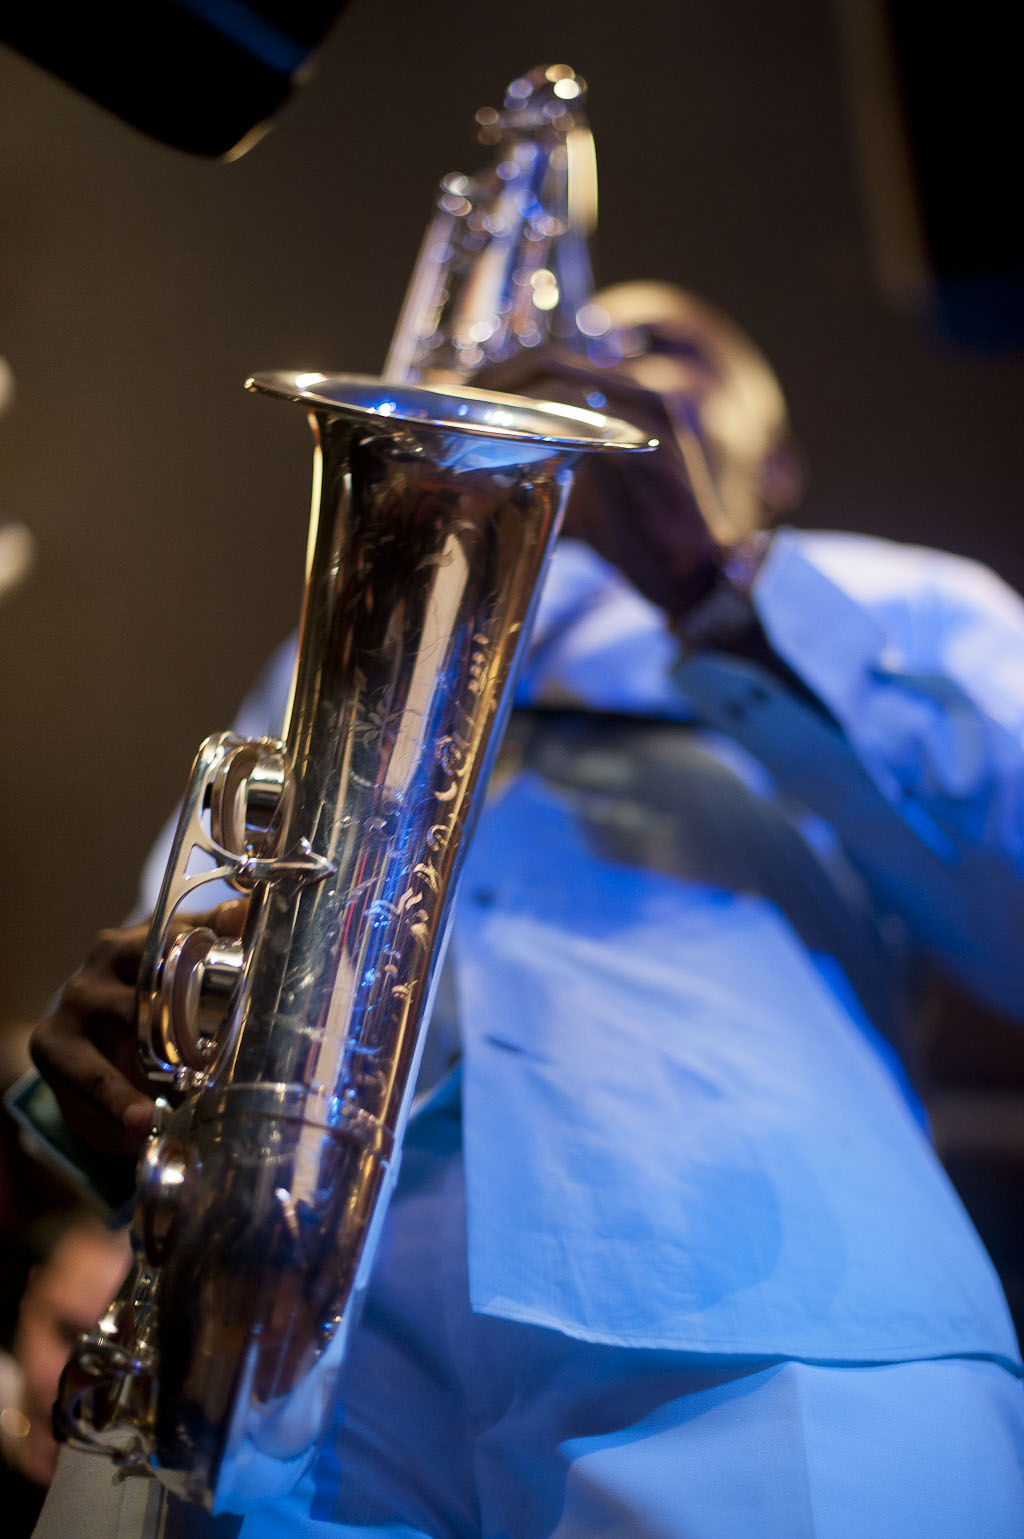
[[919, 656]]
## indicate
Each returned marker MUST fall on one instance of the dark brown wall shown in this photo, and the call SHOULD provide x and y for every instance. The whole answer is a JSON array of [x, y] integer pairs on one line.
[[138, 288]]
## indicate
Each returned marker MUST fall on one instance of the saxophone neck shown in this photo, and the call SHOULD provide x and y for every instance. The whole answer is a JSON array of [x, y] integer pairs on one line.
[[505, 263]]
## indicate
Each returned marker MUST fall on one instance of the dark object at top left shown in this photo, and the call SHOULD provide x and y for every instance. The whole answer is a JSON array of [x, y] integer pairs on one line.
[[202, 75]]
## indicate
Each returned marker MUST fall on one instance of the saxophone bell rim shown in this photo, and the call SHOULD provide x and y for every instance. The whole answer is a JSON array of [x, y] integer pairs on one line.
[[462, 409]]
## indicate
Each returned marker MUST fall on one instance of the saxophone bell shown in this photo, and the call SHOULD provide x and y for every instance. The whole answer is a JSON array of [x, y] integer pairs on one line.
[[261, 1197]]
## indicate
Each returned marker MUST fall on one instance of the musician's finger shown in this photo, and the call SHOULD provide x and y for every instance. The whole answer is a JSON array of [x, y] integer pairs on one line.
[[97, 1005], [100, 1103], [228, 919], [117, 953]]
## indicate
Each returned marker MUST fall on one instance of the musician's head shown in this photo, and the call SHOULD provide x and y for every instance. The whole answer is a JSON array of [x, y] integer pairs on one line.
[[725, 399]]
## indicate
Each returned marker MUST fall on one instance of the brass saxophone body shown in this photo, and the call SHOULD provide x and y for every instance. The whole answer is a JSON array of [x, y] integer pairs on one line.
[[261, 1195]]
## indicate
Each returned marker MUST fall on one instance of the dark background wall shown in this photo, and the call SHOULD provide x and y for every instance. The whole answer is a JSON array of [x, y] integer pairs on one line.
[[139, 287]]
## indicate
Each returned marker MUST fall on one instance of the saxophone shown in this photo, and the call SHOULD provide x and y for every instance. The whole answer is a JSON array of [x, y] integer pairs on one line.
[[293, 1051]]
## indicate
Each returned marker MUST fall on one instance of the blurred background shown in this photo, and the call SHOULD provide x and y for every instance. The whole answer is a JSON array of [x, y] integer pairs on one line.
[[168, 509]]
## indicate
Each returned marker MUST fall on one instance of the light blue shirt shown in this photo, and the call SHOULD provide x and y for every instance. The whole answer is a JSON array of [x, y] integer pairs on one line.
[[681, 1127]]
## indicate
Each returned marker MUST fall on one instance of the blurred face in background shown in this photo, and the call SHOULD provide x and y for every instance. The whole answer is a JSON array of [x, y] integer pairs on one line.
[[64, 1297], [724, 399]]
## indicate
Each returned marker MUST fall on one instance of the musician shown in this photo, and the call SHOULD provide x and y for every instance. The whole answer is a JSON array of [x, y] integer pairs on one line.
[[670, 1251]]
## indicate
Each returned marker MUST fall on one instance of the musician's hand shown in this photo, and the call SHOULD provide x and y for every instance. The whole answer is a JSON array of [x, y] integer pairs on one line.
[[87, 1049], [639, 511]]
